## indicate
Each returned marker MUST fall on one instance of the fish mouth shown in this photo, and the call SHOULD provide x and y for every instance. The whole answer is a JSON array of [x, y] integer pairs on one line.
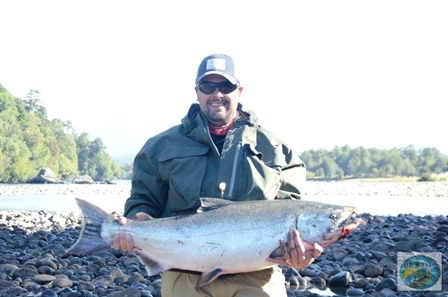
[[350, 223], [341, 227]]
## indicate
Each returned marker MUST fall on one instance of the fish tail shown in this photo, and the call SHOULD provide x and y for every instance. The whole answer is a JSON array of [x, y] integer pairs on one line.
[[90, 239]]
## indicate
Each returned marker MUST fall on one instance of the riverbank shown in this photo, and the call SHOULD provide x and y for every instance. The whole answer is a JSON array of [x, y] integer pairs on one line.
[[123, 188], [350, 188], [377, 198]]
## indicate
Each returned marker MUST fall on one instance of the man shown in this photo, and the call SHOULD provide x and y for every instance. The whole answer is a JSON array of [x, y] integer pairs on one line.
[[218, 150]]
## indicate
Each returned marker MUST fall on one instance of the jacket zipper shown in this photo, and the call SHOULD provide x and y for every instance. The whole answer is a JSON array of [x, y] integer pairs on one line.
[[235, 163]]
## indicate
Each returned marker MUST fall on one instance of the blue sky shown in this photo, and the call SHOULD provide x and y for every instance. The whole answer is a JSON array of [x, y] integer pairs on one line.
[[318, 73]]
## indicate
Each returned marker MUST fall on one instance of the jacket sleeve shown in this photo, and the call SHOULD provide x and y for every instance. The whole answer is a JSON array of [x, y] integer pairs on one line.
[[292, 176], [149, 191], [291, 170]]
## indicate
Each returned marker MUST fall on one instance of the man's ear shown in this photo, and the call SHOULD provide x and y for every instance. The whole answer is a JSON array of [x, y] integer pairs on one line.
[[196, 90], [240, 90]]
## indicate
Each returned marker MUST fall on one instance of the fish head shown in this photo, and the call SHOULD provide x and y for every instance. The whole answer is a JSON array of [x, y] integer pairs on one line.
[[327, 224]]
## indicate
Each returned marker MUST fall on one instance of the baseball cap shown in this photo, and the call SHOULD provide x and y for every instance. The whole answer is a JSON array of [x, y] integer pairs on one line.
[[217, 64]]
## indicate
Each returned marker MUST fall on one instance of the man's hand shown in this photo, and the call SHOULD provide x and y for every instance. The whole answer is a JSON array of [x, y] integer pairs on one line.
[[124, 241], [297, 253]]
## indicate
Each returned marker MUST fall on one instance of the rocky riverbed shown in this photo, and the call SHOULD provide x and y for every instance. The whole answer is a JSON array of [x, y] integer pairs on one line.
[[33, 261]]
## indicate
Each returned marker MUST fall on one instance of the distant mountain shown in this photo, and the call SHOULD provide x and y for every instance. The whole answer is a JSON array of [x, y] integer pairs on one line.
[[124, 159]]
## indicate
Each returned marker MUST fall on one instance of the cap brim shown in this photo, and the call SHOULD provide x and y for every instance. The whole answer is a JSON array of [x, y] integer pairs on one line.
[[227, 76]]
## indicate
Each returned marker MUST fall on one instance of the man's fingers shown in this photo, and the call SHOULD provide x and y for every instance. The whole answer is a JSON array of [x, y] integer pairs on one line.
[[129, 242], [123, 241], [285, 252], [297, 253], [296, 247], [141, 216], [301, 252], [118, 240], [116, 243], [317, 250], [122, 221], [291, 241], [123, 245]]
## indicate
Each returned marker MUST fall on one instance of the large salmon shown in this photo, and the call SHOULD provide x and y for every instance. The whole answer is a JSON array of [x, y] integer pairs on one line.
[[224, 237]]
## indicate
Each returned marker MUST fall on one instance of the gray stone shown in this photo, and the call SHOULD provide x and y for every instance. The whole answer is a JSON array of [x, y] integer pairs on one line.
[[83, 179], [342, 279], [43, 278], [372, 270], [45, 176]]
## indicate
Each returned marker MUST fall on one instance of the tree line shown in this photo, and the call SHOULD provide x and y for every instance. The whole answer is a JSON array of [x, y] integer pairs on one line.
[[29, 141], [345, 162]]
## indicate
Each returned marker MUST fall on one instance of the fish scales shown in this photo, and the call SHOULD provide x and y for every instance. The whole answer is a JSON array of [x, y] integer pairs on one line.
[[225, 237], [214, 236]]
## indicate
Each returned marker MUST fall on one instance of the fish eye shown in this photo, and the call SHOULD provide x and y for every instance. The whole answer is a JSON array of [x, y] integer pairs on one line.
[[333, 217]]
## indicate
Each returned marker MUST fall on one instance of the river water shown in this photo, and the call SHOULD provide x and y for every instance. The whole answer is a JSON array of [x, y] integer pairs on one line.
[[48, 198]]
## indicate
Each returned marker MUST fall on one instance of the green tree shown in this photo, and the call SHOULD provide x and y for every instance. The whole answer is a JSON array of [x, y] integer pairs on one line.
[[64, 148], [29, 142], [83, 152], [33, 105], [93, 160], [345, 162], [330, 167], [14, 161]]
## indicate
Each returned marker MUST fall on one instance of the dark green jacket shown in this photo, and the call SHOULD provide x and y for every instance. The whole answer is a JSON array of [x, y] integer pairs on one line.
[[176, 167]]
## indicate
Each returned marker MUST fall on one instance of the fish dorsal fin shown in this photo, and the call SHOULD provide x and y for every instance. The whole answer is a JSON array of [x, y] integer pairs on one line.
[[208, 277], [212, 203]]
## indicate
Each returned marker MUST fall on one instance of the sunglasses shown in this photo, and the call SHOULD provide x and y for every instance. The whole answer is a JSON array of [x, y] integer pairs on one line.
[[208, 87]]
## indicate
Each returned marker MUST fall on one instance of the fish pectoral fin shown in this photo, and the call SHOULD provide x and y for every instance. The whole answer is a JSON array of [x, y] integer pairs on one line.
[[208, 277], [277, 253], [153, 267]]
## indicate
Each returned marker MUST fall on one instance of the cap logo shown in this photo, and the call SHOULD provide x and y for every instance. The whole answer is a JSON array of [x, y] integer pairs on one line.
[[216, 64]]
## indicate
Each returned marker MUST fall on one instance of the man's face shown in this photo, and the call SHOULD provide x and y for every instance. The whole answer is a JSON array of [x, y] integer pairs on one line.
[[219, 108]]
